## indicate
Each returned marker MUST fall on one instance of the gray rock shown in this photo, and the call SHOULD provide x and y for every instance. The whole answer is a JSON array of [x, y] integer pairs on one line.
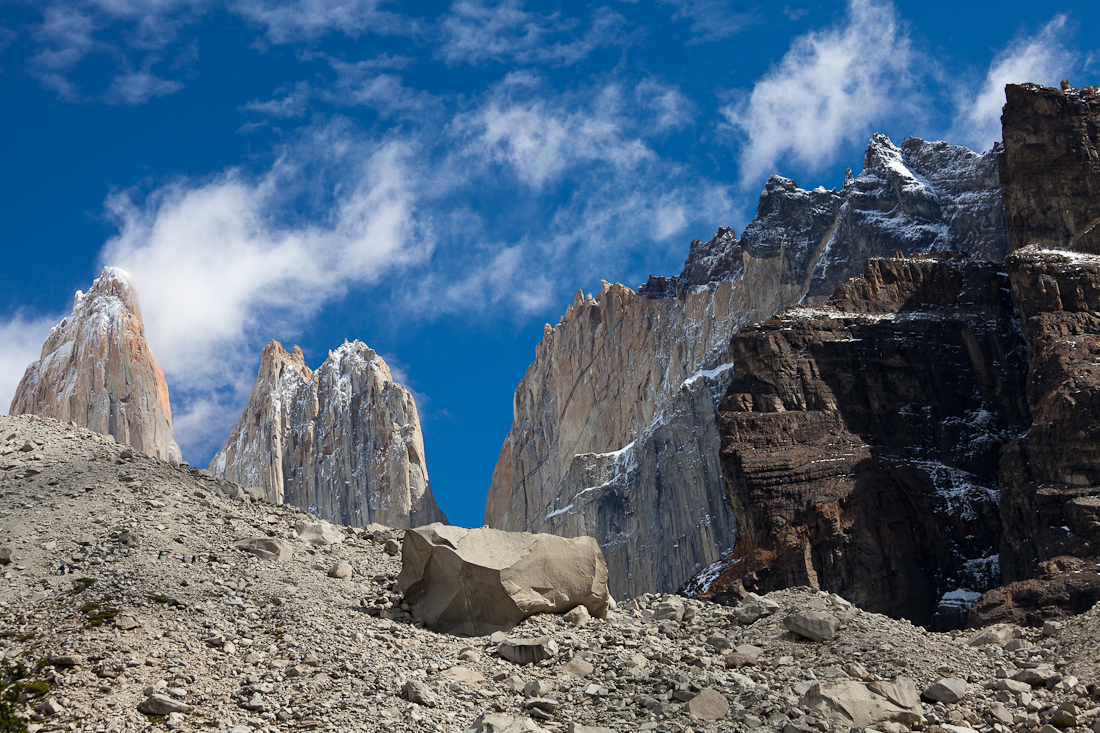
[[576, 667], [391, 548], [157, 704], [502, 723], [858, 704], [341, 570], [528, 651], [578, 728], [709, 705], [947, 690], [754, 607], [999, 634], [671, 608], [477, 581], [126, 623], [318, 533], [266, 548], [419, 693], [813, 625], [1035, 676], [579, 616], [5, 555]]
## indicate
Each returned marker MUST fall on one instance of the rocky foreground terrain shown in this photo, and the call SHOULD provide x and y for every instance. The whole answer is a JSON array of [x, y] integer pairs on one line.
[[165, 624]]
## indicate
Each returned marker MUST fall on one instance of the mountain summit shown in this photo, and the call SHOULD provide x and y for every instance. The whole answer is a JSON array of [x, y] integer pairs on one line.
[[97, 370]]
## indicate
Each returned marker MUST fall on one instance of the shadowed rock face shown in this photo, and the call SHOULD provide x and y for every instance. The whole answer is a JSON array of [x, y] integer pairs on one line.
[[98, 371], [614, 423], [343, 442], [1051, 166], [860, 440], [1050, 476]]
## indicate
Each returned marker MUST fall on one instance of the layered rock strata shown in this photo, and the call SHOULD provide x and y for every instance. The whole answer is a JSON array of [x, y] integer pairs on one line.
[[860, 440], [1050, 476], [343, 442], [97, 371], [614, 423]]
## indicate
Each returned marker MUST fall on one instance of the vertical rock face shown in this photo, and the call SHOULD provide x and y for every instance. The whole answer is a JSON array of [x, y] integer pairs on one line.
[[1050, 476], [1051, 169], [97, 371], [860, 440], [614, 423], [343, 442], [254, 453]]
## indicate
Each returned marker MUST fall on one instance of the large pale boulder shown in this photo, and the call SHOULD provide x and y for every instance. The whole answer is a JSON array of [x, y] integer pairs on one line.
[[477, 581], [857, 704]]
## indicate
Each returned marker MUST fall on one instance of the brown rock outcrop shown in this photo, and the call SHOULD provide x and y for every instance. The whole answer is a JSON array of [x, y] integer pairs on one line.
[[860, 440], [343, 442], [1050, 476], [98, 371], [1050, 170]]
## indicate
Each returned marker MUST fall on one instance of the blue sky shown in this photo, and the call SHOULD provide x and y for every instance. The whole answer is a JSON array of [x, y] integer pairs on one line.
[[437, 179]]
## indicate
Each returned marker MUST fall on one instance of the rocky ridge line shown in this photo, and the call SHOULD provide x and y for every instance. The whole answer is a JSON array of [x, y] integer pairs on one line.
[[614, 423]]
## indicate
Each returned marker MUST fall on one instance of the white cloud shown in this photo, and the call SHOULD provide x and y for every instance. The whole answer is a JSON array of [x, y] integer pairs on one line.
[[540, 137], [22, 338], [476, 32], [220, 265], [1041, 58], [711, 20], [301, 20], [66, 36], [137, 87], [832, 87]]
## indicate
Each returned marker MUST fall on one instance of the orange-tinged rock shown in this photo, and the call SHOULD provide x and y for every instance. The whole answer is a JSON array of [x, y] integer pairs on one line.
[[97, 370]]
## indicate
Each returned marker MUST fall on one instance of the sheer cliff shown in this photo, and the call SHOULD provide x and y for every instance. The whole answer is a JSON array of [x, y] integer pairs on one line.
[[614, 431], [97, 370], [343, 442]]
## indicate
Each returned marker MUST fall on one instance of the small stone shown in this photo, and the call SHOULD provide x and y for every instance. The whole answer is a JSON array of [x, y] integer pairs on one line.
[[671, 609], [392, 548], [465, 675], [709, 705], [948, 690], [545, 704], [162, 705], [576, 667], [341, 570], [579, 616], [1000, 634], [419, 693], [754, 607], [528, 651], [578, 728], [5, 555], [126, 623], [1064, 719], [295, 671], [1051, 628], [311, 660], [1036, 676], [736, 659], [812, 625]]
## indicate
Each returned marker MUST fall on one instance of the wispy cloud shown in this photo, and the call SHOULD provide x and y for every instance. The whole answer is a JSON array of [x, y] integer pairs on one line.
[[476, 32], [711, 20], [22, 337], [1041, 58], [832, 87], [299, 20]]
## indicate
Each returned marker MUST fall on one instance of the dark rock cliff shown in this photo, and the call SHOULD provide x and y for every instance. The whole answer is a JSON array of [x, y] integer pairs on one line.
[[931, 431], [860, 440], [1051, 166]]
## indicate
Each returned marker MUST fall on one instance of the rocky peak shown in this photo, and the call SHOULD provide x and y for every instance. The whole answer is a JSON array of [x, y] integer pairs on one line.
[[614, 432], [97, 370], [343, 441]]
